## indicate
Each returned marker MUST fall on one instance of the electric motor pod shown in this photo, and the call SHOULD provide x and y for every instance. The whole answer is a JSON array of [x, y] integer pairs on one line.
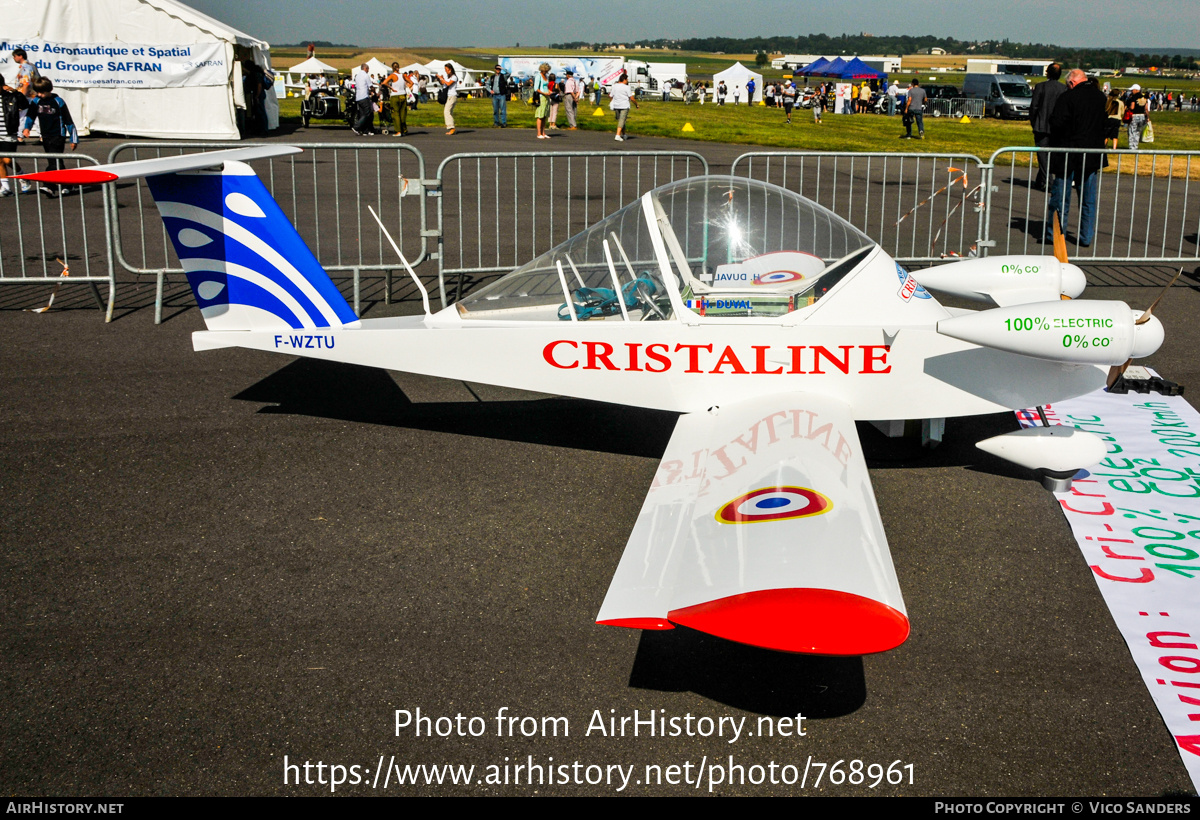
[[1080, 332]]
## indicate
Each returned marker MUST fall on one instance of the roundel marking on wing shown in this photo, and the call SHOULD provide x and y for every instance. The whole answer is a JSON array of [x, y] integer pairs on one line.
[[773, 504], [778, 277]]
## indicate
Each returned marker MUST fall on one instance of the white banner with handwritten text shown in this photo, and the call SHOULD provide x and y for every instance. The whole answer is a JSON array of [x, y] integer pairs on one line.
[[1136, 516]]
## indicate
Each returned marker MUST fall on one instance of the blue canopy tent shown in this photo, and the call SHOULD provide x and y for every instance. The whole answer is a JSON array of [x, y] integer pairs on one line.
[[832, 68], [813, 68], [856, 69], [842, 69]]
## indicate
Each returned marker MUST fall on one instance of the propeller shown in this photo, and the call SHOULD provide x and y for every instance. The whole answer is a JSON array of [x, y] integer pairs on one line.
[[1060, 241], [1069, 271], [1116, 371]]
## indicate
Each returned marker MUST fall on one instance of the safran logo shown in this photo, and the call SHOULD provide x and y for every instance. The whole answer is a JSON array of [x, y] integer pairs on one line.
[[774, 504]]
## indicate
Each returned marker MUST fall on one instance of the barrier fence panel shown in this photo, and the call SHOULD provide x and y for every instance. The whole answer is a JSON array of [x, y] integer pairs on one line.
[[958, 107], [497, 211], [38, 230], [1147, 204], [919, 207], [325, 191]]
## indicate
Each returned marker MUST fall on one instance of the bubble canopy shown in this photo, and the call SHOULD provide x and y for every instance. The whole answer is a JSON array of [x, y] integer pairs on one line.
[[717, 246]]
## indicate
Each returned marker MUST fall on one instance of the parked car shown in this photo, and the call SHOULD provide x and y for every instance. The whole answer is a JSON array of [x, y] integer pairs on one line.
[[1005, 95], [941, 92]]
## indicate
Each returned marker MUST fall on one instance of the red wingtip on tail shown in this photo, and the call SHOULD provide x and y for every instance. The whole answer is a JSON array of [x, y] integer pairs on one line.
[[811, 621], [71, 176]]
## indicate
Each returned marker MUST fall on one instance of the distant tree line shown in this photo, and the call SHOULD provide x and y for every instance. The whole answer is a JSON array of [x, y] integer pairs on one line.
[[318, 44], [899, 45]]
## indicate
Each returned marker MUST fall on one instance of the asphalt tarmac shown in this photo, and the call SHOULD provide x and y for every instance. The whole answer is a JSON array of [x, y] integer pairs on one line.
[[219, 567]]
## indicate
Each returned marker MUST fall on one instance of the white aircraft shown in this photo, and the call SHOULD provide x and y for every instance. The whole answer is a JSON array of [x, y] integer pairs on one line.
[[768, 322]]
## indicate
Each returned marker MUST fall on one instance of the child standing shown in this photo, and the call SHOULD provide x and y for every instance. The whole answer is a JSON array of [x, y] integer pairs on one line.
[[55, 122]]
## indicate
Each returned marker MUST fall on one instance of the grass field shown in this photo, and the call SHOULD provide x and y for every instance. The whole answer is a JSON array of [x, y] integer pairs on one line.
[[761, 126]]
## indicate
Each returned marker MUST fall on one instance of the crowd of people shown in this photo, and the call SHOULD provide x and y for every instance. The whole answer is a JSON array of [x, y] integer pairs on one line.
[[391, 97]]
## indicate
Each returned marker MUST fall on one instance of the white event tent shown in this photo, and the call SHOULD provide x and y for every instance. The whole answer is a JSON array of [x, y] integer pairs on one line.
[[378, 68], [312, 66], [738, 75], [98, 53]]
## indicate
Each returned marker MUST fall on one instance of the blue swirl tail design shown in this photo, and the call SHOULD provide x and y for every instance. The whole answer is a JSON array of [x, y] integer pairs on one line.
[[247, 265]]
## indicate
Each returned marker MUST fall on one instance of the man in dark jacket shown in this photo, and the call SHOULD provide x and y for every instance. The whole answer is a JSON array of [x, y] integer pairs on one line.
[[1045, 95], [1077, 122]]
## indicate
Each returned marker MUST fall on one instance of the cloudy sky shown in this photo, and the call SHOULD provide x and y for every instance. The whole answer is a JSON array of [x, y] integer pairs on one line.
[[1158, 24]]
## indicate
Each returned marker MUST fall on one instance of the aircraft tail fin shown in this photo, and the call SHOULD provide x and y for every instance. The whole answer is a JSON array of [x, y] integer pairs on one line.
[[248, 267]]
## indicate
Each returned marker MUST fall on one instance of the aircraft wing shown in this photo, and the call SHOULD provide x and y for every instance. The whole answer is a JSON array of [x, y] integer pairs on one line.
[[761, 527]]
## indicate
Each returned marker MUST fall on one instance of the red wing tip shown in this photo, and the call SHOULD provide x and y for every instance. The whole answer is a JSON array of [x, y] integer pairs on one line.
[[809, 621], [639, 623], [72, 176]]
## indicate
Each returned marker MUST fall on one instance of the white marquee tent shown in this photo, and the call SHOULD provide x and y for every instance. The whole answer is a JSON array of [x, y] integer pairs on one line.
[[378, 68], [312, 66], [738, 75], [187, 108]]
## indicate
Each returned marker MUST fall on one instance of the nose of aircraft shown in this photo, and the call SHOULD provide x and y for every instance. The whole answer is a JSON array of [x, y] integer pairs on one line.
[[1073, 280], [1147, 336]]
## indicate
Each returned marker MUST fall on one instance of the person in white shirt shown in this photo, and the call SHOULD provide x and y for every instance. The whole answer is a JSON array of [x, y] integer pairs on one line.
[[572, 91], [622, 96], [399, 101], [893, 93], [450, 82], [363, 83]]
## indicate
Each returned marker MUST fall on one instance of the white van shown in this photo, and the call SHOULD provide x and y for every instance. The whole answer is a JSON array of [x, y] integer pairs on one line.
[[1004, 95]]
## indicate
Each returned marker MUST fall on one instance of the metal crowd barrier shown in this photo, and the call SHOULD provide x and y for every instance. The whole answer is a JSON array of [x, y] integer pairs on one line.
[[519, 205], [958, 107], [1147, 209], [325, 191], [38, 231], [496, 211], [919, 207]]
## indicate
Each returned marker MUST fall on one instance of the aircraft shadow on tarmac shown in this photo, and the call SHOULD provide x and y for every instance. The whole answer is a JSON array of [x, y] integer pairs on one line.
[[681, 659], [309, 387], [333, 390], [745, 677]]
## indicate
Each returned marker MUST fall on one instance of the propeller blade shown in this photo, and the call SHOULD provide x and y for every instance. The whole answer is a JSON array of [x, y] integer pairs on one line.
[[1145, 317], [1117, 371], [1060, 241]]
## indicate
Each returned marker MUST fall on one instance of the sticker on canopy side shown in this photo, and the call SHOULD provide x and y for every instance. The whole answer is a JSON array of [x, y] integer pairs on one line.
[[773, 504], [909, 287], [778, 277]]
